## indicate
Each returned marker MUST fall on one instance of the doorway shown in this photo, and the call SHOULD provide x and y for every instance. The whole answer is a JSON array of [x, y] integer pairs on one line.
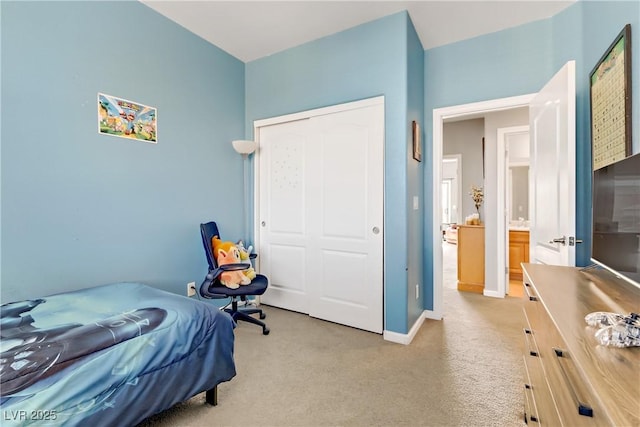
[[465, 111], [513, 190]]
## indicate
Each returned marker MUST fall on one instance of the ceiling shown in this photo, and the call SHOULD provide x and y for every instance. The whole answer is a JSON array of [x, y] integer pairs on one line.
[[250, 30]]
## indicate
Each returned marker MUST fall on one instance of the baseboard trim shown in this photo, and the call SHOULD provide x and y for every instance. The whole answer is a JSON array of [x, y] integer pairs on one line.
[[406, 339]]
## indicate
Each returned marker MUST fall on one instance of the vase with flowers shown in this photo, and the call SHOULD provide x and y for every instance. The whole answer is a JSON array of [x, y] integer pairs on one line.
[[477, 195]]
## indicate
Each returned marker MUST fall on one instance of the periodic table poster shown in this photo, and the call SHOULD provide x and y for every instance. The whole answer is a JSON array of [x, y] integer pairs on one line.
[[611, 103]]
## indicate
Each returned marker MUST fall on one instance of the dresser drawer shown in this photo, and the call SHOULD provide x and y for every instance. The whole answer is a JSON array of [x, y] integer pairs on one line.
[[530, 407], [575, 403], [542, 406]]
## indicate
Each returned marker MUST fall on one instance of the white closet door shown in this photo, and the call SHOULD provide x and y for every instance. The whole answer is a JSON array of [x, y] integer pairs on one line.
[[321, 202], [284, 226], [345, 283]]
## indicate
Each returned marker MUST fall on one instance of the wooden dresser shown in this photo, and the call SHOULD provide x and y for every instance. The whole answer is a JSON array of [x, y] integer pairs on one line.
[[471, 258], [518, 252], [571, 380]]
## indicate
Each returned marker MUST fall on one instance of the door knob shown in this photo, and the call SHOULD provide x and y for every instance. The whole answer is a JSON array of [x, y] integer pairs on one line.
[[263, 223], [562, 240], [375, 230]]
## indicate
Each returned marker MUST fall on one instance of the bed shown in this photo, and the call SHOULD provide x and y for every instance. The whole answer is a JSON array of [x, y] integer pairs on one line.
[[109, 355]]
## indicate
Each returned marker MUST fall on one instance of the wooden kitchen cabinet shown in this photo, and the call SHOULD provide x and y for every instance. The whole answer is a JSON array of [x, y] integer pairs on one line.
[[518, 252], [471, 258]]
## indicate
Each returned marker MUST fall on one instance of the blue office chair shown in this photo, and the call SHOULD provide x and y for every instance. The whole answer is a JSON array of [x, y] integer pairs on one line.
[[212, 288]]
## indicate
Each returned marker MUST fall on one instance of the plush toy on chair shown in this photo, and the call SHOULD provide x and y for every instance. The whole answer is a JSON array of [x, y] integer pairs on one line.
[[245, 258], [228, 253], [211, 288]]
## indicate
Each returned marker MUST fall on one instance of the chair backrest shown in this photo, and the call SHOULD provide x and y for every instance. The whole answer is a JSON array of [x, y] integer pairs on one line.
[[207, 231]]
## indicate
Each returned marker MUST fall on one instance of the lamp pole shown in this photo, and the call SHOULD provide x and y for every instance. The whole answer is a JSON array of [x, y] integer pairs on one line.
[[245, 147], [245, 204]]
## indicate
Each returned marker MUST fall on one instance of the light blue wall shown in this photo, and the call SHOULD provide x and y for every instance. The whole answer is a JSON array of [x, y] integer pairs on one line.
[[362, 62], [502, 64], [601, 22], [415, 173], [82, 209], [568, 43], [495, 65], [521, 60]]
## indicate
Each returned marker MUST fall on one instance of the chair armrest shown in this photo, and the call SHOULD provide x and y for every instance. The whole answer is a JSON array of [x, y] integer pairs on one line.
[[213, 275], [231, 267]]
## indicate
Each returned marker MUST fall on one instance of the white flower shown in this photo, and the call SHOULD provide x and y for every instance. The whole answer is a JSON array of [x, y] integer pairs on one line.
[[477, 194]]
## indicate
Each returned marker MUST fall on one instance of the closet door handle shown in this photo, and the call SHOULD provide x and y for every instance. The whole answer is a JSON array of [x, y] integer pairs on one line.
[[530, 295], [584, 409]]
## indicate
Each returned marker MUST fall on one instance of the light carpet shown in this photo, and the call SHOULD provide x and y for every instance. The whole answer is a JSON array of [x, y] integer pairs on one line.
[[465, 370]]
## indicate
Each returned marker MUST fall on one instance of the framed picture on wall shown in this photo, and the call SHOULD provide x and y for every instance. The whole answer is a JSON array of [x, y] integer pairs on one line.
[[610, 92], [417, 143], [126, 119]]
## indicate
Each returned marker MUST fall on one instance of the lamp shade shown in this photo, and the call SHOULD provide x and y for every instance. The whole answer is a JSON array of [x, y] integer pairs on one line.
[[244, 147]]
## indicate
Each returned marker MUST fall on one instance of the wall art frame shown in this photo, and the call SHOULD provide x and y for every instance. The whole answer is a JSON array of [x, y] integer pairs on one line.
[[610, 96], [127, 119], [417, 141]]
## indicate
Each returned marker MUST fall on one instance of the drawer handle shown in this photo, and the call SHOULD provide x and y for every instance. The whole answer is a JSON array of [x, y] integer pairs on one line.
[[529, 294], [532, 417], [529, 335], [584, 409]]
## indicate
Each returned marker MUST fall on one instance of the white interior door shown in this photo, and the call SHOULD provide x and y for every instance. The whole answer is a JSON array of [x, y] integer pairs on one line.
[[513, 148], [451, 172], [321, 215], [552, 125], [446, 201]]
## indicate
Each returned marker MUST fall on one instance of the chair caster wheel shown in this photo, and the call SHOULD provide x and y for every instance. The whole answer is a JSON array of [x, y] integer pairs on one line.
[[265, 331], [263, 316]]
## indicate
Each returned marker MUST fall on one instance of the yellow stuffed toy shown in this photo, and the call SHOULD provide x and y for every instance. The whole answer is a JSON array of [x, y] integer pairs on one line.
[[245, 259], [228, 253]]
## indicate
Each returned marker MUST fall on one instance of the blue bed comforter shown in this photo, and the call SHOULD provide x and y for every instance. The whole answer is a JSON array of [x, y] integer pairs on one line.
[[110, 355]]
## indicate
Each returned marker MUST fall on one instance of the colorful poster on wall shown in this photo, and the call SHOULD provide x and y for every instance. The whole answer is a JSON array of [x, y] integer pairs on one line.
[[126, 119], [611, 103]]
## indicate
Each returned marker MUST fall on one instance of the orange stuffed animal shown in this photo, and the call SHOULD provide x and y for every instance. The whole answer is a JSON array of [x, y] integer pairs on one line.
[[228, 253]]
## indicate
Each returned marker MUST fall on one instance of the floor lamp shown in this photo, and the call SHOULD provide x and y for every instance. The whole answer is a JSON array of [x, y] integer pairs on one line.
[[245, 147]]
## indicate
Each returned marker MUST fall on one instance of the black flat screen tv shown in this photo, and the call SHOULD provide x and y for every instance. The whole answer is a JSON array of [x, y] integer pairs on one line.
[[615, 239]]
